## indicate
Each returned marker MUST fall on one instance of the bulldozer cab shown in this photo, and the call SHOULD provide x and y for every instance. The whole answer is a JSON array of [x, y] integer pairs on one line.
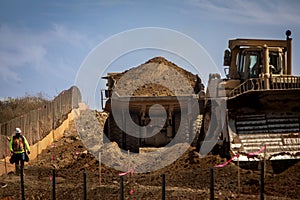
[[254, 58], [249, 62]]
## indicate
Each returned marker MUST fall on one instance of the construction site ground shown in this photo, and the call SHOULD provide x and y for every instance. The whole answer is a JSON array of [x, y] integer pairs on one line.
[[187, 178]]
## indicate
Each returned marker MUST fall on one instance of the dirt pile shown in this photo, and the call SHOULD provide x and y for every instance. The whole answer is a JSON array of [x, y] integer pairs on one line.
[[156, 77], [91, 133], [188, 177]]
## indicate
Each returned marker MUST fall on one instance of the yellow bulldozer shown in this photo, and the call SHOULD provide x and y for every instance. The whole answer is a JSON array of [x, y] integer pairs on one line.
[[257, 104], [262, 102]]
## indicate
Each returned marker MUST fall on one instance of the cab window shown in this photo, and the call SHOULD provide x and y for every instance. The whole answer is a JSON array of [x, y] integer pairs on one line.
[[275, 62], [241, 62], [254, 69], [248, 64]]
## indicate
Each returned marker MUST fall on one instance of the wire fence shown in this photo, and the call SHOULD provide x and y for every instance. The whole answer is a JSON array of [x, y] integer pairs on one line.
[[209, 183], [38, 123], [73, 183]]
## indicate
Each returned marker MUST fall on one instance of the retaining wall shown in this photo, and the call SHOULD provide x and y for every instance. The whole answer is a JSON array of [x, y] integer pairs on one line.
[[37, 148]]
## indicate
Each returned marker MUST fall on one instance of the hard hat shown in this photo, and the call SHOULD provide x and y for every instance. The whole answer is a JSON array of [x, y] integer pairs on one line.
[[18, 130]]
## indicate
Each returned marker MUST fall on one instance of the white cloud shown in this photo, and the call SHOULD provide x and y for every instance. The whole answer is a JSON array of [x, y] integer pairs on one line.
[[8, 75], [70, 37], [17, 48], [24, 48], [252, 12]]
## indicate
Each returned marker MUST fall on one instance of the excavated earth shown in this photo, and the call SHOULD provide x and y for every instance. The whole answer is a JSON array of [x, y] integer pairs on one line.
[[152, 78], [187, 178]]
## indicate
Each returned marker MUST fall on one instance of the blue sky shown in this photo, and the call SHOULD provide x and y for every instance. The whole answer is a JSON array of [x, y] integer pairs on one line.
[[44, 43]]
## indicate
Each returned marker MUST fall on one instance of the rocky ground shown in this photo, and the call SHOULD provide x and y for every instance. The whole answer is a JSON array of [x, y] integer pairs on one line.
[[187, 178]]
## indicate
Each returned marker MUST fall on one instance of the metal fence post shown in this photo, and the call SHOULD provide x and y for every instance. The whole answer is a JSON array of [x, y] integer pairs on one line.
[[53, 184], [22, 181], [84, 185], [212, 195], [163, 185], [262, 180], [121, 188]]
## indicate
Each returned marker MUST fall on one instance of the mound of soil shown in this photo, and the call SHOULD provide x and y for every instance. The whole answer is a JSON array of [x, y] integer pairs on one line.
[[186, 178], [76, 155], [156, 77]]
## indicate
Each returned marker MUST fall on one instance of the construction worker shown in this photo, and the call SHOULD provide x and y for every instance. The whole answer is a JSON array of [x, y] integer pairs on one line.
[[19, 149]]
